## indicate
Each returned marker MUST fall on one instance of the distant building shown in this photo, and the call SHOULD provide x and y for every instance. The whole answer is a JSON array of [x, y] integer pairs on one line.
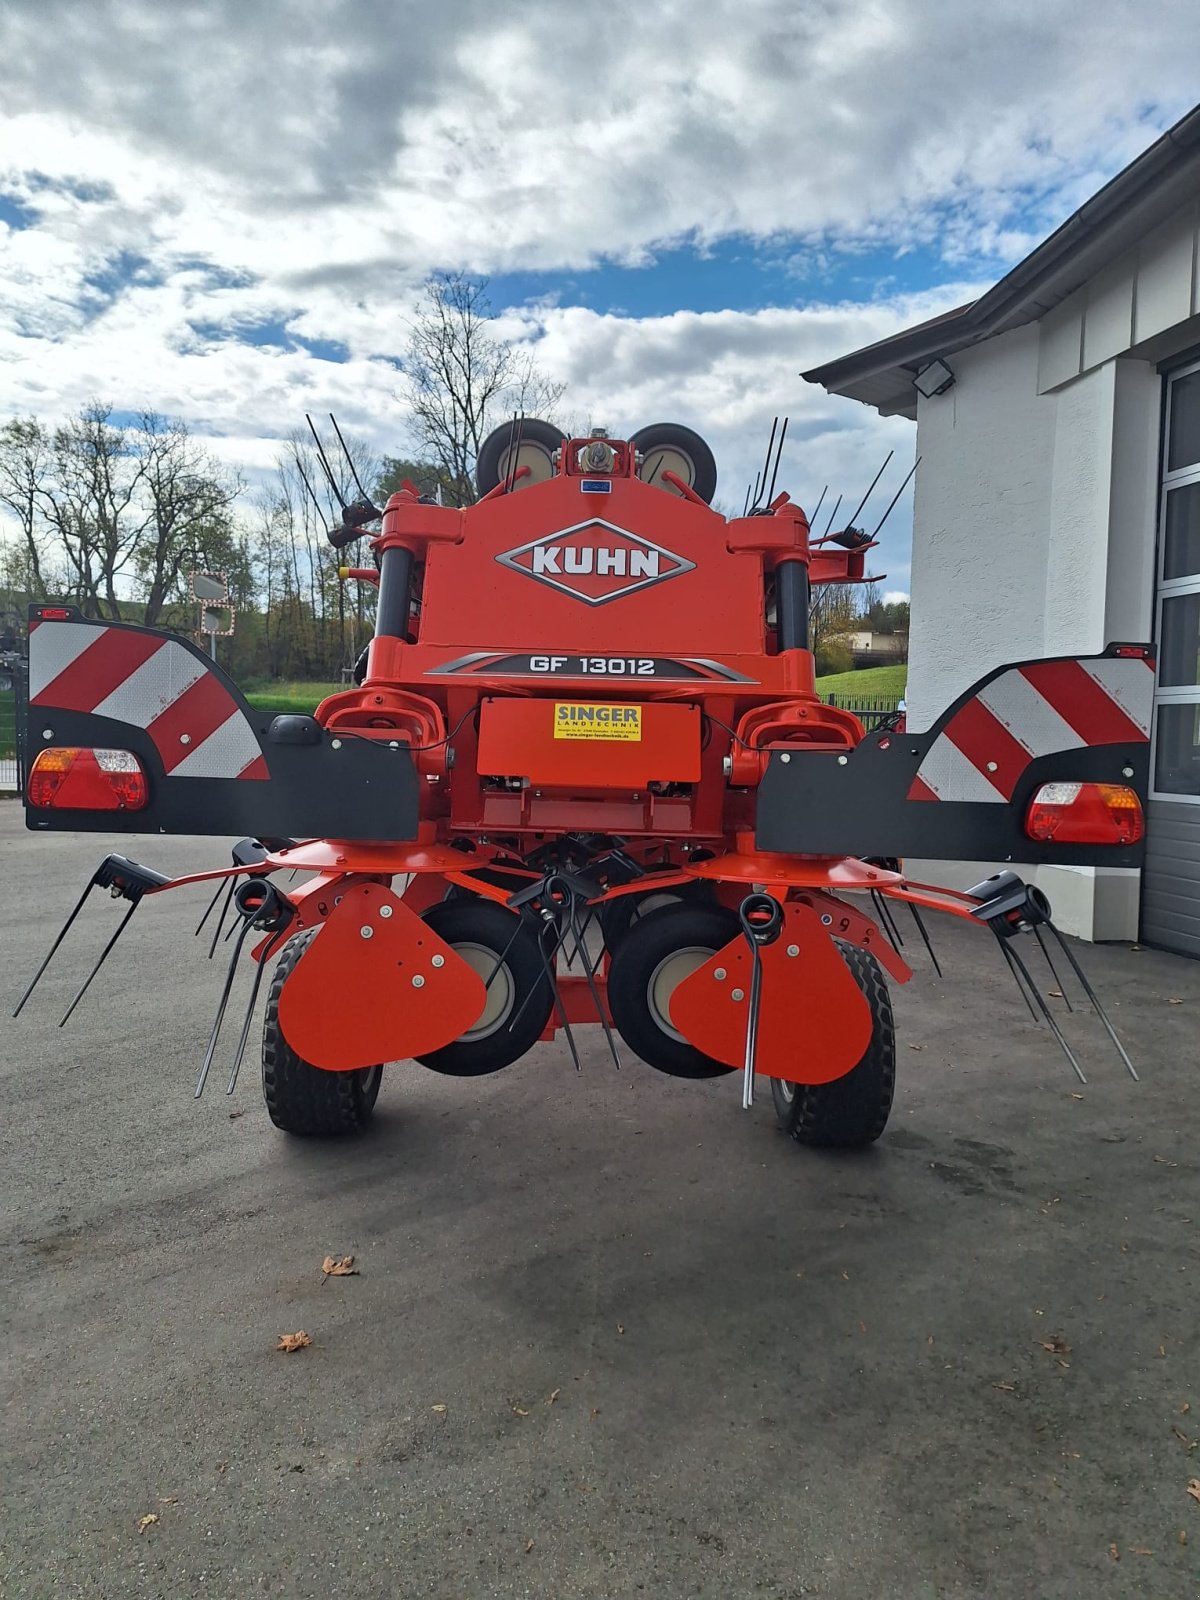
[[871, 649], [1058, 498]]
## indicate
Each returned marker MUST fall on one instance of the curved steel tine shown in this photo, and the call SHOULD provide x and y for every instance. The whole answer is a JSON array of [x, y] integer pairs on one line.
[[249, 1017], [1062, 988], [220, 1017], [924, 932], [1017, 980], [63, 931], [1095, 1000], [752, 1027], [104, 954], [221, 919], [590, 974], [1046, 1013], [886, 921], [208, 913], [548, 967]]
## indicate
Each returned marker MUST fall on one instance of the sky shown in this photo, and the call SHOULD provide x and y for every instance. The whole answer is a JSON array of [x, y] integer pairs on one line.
[[225, 211]]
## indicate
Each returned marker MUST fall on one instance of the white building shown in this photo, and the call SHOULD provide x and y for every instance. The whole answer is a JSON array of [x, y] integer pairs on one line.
[[1058, 496]]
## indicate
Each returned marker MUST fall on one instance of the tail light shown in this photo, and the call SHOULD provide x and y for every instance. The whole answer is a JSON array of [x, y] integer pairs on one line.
[[1085, 813], [74, 779]]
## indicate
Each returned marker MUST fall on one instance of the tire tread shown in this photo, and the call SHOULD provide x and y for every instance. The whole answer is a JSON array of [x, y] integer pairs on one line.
[[853, 1110], [302, 1099]]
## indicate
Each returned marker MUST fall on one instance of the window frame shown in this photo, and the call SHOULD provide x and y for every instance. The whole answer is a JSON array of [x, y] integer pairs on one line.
[[1168, 588]]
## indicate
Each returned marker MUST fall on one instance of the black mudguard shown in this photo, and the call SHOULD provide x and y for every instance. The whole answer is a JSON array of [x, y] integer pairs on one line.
[[961, 790], [212, 762]]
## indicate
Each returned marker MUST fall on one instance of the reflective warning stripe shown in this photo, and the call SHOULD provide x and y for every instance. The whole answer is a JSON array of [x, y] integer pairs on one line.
[[1035, 710], [149, 682]]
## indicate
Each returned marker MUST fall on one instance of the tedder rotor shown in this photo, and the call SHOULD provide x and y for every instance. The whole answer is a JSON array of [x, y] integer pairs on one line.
[[585, 777]]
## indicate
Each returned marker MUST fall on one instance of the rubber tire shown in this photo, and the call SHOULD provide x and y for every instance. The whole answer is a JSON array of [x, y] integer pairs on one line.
[[302, 1099], [633, 964], [617, 917], [674, 435], [852, 1110], [494, 448], [480, 921]]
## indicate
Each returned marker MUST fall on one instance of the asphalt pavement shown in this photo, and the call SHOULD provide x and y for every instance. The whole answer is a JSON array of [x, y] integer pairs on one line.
[[610, 1335]]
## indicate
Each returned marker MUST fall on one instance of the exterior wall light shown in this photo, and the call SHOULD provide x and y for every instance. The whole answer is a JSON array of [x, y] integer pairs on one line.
[[934, 378]]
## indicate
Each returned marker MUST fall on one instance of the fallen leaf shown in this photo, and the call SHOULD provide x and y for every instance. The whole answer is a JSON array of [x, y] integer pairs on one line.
[[1183, 1438], [1076, 1097], [168, 1499], [1140, 1550], [1056, 1345], [339, 1267], [1182, 1535], [440, 1409], [1009, 1388], [234, 1115], [846, 1276], [144, 1522], [517, 1412], [1193, 1489], [1114, 1552], [1055, 994], [553, 1396], [620, 1327], [595, 1413], [528, 1546], [862, 1327], [1185, 1408], [929, 1339], [1161, 1352], [1174, 1002], [293, 1341], [916, 1047]]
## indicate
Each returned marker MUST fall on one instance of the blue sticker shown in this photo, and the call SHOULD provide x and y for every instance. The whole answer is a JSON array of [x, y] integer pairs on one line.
[[595, 486]]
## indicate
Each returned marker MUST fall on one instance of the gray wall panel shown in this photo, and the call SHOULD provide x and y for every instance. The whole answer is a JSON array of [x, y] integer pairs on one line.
[[1171, 878]]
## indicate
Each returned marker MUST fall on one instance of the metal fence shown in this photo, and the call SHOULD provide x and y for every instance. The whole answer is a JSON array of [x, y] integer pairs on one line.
[[13, 688], [869, 712]]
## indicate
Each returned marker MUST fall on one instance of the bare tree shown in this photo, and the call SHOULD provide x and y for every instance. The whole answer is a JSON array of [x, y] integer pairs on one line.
[[113, 507], [461, 378], [188, 502], [25, 454]]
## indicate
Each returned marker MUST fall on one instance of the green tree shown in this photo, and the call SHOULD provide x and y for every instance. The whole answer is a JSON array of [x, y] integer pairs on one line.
[[426, 476]]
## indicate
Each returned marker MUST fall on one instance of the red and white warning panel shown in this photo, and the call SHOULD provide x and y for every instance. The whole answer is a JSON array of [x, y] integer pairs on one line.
[[129, 729], [1031, 711], [1075, 729], [149, 682]]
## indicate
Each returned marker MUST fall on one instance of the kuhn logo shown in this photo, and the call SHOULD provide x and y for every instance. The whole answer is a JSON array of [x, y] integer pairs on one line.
[[595, 562]]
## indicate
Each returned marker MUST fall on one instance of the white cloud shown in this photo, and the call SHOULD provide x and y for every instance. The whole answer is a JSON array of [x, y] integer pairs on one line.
[[309, 172]]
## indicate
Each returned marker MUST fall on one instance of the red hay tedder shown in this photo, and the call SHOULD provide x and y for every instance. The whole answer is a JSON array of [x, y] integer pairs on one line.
[[586, 778]]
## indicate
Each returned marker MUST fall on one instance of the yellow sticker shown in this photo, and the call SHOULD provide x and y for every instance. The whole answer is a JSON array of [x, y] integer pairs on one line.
[[597, 722]]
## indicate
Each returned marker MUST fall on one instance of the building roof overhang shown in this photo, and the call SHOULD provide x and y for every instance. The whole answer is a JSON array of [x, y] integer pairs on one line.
[[1146, 193]]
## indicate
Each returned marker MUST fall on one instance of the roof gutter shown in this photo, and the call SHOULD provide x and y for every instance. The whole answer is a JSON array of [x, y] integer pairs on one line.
[[1019, 289]]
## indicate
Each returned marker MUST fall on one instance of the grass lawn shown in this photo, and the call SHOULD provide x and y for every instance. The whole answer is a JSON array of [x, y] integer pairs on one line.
[[303, 698], [872, 683]]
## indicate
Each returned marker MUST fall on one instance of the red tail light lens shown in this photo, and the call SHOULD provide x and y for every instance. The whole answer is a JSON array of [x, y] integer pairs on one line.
[[74, 779], [1085, 813]]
